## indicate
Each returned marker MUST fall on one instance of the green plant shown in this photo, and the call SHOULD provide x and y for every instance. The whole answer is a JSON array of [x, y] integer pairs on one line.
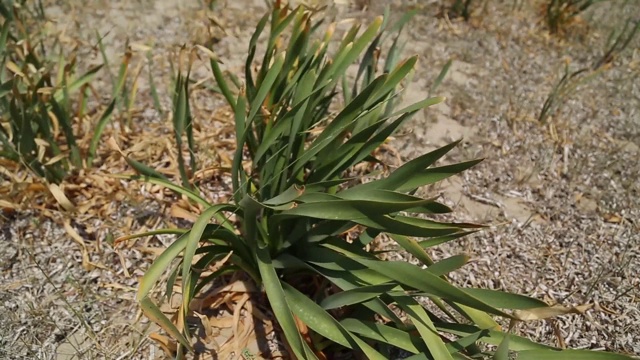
[[37, 119], [617, 42], [461, 8], [183, 125], [297, 195], [559, 13]]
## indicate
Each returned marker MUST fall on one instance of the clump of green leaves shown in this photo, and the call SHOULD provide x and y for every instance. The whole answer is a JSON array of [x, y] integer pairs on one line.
[[36, 113], [560, 12], [294, 204]]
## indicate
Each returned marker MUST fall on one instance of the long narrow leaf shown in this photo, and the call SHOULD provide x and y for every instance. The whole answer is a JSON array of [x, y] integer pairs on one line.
[[77, 84], [385, 334], [265, 87], [355, 296], [493, 337], [155, 314], [316, 317], [102, 122], [501, 299], [159, 265], [169, 185], [351, 209], [278, 302], [417, 278], [425, 327], [194, 238]]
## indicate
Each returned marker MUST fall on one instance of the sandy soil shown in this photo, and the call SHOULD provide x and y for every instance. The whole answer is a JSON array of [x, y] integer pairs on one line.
[[561, 197]]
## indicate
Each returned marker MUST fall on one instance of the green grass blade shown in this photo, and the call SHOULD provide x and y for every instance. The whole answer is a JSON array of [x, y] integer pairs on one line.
[[502, 352], [338, 126], [411, 245], [467, 344], [194, 238], [425, 244], [368, 351], [6, 13], [169, 185], [286, 196], [360, 153], [480, 318], [425, 327], [265, 87], [355, 296], [421, 162], [420, 177], [420, 357], [344, 281], [367, 67], [237, 172], [501, 299], [324, 324], [278, 302], [401, 23], [5, 88], [285, 125], [180, 124], [404, 226], [357, 47], [349, 37], [422, 104], [253, 43], [122, 77], [350, 209], [354, 150], [152, 85], [450, 264], [159, 265], [404, 178], [222, 83], [102, 122], [299, 41], [440, 77], [144, 170], [384, 334], [77, 84], [379, 195], [65, 124], [394, 78], [155, 314], [493, 337], [105, 59], [316, 317], [421, 279]]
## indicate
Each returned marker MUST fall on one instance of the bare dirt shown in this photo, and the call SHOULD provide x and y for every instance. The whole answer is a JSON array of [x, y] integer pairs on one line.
[[561, 197]]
